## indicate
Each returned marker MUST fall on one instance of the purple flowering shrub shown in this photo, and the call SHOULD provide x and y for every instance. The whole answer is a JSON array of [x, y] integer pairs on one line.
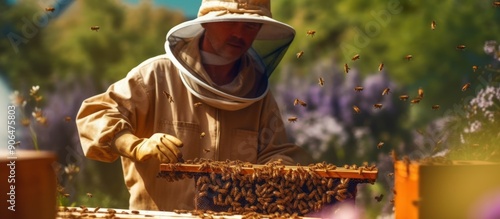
[[76, 174], [474, 130], [328, 126]]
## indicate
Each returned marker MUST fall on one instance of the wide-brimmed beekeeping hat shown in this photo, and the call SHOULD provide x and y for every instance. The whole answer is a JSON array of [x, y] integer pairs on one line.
[[266, 52]]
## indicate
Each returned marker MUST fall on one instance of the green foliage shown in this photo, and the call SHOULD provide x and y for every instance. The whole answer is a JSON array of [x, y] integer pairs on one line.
[[387, 31], [65, 46]]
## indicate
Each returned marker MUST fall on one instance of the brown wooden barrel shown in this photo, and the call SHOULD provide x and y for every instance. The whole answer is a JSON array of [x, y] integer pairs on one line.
[[27, 184]]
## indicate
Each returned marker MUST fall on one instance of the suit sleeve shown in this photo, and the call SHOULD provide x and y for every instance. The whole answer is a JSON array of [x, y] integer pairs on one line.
[[101, 117]]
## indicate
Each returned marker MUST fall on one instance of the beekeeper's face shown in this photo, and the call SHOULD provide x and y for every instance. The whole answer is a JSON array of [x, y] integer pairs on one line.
[[229, 39]]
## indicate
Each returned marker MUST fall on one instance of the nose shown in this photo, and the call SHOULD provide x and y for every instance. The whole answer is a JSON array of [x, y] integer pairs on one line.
[[239, 30]]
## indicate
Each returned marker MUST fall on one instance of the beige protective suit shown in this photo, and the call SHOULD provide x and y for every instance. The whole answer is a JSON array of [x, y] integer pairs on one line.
[[138, 102]]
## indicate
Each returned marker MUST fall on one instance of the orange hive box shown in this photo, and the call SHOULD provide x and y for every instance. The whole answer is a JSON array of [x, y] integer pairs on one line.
[[454, 190]]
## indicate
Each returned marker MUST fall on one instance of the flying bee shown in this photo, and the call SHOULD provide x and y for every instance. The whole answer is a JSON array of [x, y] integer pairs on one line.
[[321, 82], [433, 25], [404, 97], [381, 66], [408, 57], [51, 9], [197, 104], [292, 119], [311, 33], [202, 134], [89, 194], [356, 109], [390, 174], [380, 144], [377, 106], [170, 99], [95, 28], [297, 101], [355, 57], [206, 150], [386, 91], [346, 68], [421, 93], [435, 107], [134, 212], [465, 87], [474, 68], [461, 47], [299, 54], [496, 4], [379, 198], [358, 88], [67, 119], [415, 101]]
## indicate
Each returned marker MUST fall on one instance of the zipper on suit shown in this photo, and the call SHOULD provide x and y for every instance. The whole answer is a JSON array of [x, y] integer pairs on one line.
[[217, 134]]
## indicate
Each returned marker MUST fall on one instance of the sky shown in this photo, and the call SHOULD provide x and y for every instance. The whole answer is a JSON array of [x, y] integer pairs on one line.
[[189, 7]]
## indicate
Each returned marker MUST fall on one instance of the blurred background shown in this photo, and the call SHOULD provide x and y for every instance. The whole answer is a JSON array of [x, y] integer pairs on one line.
[[447, 49]]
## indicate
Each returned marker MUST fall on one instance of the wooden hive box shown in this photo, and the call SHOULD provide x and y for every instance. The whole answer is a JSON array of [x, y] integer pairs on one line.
[[271, 188], [444, 190]]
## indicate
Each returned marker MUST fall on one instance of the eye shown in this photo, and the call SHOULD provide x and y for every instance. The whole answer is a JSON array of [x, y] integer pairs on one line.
[[253, 26]]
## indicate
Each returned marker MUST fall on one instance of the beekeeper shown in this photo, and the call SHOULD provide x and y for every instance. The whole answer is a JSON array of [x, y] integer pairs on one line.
[[207, 97]]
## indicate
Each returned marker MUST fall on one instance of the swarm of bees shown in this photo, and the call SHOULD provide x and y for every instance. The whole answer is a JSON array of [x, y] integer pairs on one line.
[[95, 28], [83, 212], [270, 188]]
